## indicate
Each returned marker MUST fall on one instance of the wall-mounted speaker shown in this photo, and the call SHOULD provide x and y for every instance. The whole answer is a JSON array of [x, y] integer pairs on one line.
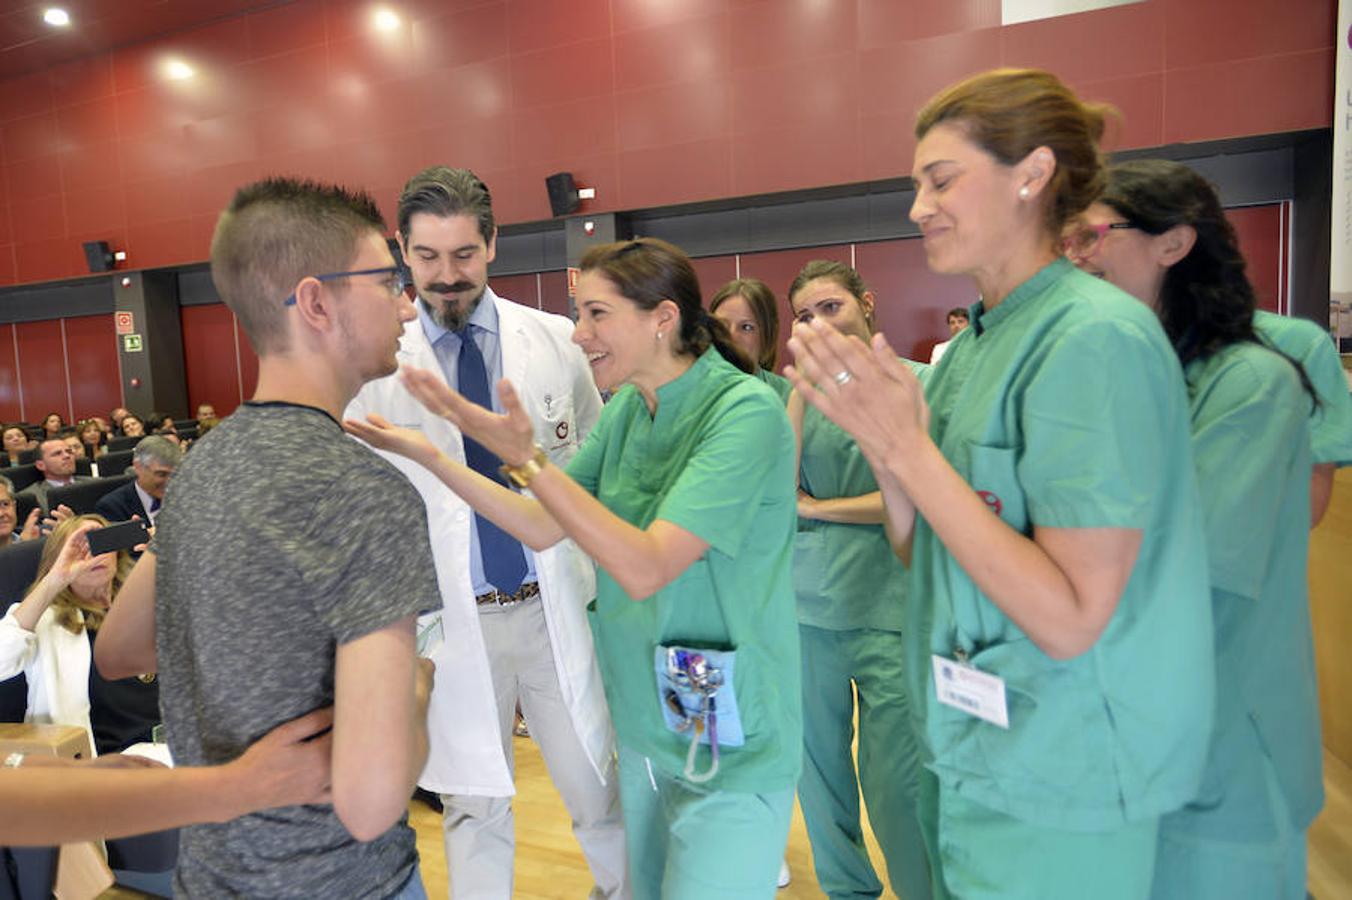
[[563, 197], [99, 256]]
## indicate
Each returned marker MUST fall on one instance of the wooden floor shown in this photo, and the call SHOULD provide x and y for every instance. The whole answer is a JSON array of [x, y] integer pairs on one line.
[[549, 866]]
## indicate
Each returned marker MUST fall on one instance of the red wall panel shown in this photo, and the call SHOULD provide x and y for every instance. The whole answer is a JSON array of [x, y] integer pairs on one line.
[[911, 301], [10, 410], [91, 361], [524, 289], [650, 103], [209, 357], [42, 369], [1263, 232], [554, 293]]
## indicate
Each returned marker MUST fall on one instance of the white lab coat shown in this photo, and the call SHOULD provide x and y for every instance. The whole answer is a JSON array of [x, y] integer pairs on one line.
[[56, 664], [554, 382]]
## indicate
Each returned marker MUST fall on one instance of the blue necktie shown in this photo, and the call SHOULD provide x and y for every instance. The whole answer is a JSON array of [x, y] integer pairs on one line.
[[504, 559]]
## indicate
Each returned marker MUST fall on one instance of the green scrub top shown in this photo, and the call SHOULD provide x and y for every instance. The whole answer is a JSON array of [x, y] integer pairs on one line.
[[712, 461], [846, 576], [778, 383], [1311, 346], [1252, 451], [1065, 407]]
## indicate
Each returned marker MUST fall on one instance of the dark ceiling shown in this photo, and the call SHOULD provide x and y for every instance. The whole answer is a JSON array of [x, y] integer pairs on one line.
[[28, 44]]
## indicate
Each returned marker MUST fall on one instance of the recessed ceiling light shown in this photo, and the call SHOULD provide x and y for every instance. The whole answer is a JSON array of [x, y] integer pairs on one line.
[[178, 70], [386, 19], [56, 16]]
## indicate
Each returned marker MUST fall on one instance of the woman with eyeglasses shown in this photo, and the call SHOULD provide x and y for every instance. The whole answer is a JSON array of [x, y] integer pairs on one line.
[[851, 595], [746, 307], [1160, 233], [683, 495], [1058, 627]]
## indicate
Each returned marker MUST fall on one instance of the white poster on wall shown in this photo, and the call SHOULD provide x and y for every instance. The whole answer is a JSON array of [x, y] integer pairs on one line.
[[1014, 11], [1340, 235]]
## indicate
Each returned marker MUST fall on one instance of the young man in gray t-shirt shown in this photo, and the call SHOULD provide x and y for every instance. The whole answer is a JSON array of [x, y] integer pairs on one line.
[[290, 563]]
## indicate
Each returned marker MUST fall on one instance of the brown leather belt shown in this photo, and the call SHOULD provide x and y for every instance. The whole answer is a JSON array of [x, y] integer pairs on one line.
[[527, 591]]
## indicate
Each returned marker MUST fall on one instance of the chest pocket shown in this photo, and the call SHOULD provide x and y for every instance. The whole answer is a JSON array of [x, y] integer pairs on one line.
[[992, 473], [555, 426]]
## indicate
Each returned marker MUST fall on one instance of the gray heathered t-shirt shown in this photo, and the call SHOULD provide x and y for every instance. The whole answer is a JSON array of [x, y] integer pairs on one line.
[[280, 539]]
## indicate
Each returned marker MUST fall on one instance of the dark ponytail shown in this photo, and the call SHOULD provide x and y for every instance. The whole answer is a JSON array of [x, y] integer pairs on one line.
[[1206, 302], [647, 271]]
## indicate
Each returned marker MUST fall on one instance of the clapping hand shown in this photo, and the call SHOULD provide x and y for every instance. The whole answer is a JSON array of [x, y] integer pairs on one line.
[[866, 390]]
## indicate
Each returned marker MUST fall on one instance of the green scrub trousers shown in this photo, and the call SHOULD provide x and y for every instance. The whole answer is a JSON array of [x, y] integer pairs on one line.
[[687, 842], [838, 668], [987, 855]]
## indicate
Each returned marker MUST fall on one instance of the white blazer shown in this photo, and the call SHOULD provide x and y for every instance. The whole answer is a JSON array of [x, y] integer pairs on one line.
[[56, 664], [552, 378]]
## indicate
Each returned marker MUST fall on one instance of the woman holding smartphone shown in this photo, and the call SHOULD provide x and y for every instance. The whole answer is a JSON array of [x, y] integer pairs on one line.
[[684, 496]]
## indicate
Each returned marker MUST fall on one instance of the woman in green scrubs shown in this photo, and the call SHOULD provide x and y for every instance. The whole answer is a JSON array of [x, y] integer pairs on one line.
[[746, 306], [684, 496], [1159, 232], [850, 595], [1330, 421], [1058, 625]]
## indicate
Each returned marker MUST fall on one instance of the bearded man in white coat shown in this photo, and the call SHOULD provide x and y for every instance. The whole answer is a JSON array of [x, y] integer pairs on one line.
[[514, 621]]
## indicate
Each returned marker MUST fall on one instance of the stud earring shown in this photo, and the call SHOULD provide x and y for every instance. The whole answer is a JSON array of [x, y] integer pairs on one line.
[[1023, 192], [659, 335]]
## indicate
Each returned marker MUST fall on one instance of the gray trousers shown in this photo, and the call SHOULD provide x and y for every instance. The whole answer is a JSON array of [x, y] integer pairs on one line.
[[479, 831]]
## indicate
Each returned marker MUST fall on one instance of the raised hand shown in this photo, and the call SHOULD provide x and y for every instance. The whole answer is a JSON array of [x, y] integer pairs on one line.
[[74, 558], [508, 435], [865, 390], [380, 433]]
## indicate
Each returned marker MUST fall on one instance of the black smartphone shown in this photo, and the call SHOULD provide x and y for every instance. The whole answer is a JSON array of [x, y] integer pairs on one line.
[[122, 536]]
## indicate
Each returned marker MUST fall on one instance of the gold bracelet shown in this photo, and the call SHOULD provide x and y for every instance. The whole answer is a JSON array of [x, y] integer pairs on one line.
[[521, 475]]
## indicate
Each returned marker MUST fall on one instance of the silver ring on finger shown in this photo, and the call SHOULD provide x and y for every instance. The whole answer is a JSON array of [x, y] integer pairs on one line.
[[843, 377]]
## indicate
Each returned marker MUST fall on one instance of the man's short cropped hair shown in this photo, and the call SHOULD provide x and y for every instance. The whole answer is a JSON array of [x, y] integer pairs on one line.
[[156, 449], [958, 312], [443, 191], [276, 232]]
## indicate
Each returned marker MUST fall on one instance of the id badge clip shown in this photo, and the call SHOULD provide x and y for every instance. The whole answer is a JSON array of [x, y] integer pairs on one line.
[[959, 684]]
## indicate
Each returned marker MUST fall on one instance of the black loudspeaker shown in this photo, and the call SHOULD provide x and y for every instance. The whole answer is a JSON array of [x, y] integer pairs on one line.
[[98, 255], [562, 193]]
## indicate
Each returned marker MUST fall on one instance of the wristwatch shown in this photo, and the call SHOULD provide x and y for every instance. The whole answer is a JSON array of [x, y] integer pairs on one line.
[[521, 475]]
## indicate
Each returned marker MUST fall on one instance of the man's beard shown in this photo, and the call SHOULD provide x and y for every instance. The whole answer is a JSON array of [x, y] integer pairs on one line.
[[451, 316]]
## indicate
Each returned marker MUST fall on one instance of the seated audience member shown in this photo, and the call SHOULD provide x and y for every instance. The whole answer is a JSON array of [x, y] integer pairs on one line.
[[53, 425], [56, 462], [92, 437], [163, 423], [957, 321], [49, 634], [117, 415], [16, 442], [132, 426], [154, 461], [72, 439], [205, 411], [9, 521]]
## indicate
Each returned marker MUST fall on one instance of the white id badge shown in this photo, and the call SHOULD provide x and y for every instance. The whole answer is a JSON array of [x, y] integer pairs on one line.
[[976, 693]]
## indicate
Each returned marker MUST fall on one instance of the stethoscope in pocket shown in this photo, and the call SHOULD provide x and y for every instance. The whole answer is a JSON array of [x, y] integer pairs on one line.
[[692, 677]]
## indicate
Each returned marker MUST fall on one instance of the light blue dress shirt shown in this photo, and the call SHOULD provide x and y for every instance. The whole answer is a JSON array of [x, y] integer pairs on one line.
[[483, 324]]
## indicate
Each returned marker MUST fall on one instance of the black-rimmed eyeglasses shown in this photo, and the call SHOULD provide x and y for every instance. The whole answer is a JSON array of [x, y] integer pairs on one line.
[[395, 284]]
